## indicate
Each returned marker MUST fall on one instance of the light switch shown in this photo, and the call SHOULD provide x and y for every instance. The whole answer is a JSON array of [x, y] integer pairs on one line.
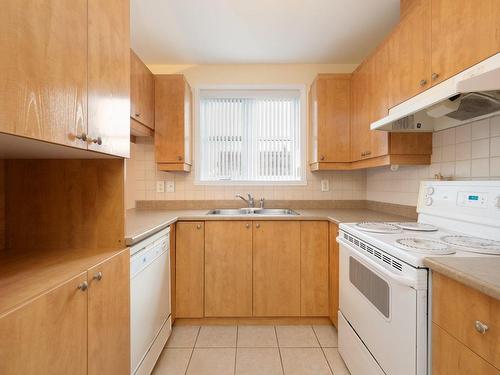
[[325, 185], [160, 186], [170, 186]]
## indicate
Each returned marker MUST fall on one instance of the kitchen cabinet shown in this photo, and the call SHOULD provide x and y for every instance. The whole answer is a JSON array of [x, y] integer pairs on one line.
[[455, 309], [142, 93], [66, 77], [276, 268], [360, 115], [228, 268], [314, 268], [173, 128], [109, 76], [463, 34], [109, 316], [410, 54], [189, 263], [329, 125], [47, 335], [333, 273]]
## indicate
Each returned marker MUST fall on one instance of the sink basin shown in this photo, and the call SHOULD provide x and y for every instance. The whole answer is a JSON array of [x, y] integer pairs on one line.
[[253, 211]]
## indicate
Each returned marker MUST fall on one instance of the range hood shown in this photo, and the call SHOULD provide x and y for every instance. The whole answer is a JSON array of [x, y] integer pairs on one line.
[[471, 95]]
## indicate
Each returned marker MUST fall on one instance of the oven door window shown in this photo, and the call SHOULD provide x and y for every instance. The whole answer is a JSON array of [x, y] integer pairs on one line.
[[372, 286]]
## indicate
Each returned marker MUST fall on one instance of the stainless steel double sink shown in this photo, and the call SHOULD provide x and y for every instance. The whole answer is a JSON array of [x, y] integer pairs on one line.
[[253, 211]]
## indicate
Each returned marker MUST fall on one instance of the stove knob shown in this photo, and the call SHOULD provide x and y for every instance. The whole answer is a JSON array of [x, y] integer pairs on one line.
[[430, 190], [428, 201]]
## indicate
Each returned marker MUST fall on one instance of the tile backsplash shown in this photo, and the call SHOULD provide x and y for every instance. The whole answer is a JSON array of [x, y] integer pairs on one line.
[[142, 175], [467, 152]]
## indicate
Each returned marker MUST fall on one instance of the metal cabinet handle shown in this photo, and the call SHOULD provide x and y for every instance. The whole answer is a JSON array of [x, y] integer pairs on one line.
[[83, 286], [322, 157], [179, 157], [257, 225], [434, 76], [198, 226], [247, 225], [82, 137], [137, 115], [98, 276], [481, 327], [97, 140], [423, 83]]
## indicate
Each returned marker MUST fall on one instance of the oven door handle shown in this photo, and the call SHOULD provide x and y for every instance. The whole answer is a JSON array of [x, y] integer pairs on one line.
[[405, 281]]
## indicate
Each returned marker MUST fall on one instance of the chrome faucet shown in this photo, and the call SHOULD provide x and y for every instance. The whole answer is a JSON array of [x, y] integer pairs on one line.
[[250, 201]]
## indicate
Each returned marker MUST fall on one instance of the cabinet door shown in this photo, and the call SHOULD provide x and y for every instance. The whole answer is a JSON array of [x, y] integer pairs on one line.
[[333, 274], [109, 76], [141, 92], [276, 268], [43, 84], [47, 335], [314, 268], [410, 54], [109, 316], [333, 107], [360, 133], [464, 33], [228, 268], [450, 357], [189, 269]]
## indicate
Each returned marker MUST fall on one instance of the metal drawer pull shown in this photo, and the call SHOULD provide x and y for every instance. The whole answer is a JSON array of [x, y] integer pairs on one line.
[[423, 82], [97, 140], [98, 276], [481, 327], [83, 286], [247, 225], [257, 225], [198, 226], [82, 137]]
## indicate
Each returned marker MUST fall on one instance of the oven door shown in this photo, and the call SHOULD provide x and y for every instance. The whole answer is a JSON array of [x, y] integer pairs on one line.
[[380, 306]]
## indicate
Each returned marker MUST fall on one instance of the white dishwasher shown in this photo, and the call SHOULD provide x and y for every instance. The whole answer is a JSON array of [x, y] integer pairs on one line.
[[149, 300]]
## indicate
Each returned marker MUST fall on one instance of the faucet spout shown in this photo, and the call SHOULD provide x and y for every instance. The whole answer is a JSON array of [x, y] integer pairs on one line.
[[250, 201]]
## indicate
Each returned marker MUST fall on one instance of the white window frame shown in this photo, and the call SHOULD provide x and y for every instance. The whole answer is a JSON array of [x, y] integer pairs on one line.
[[303, 133]]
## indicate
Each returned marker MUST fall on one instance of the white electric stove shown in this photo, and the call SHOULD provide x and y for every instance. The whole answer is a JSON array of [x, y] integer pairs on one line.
[[384, 285]]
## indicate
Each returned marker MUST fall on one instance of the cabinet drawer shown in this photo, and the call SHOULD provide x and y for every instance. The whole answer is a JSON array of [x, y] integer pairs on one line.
[[456, 308]]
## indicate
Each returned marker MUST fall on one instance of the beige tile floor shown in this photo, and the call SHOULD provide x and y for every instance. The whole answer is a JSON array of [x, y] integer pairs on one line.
[[251, 350]]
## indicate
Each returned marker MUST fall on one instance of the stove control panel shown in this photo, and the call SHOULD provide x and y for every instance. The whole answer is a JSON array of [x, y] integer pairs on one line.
[[472, 199]]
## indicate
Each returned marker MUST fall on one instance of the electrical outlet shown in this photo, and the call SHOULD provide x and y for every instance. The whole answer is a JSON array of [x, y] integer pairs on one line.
[[325, 185], [170, 186], [160, 186]]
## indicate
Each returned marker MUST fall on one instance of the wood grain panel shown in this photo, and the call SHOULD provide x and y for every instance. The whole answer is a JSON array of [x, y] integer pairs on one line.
[[411, 143], [276, 268], [65, 204], [333, 274], [43, 85], [189, 263], [450, 357], [109, 316], [455, 308], [464, 33], [314, 268], [228, 268], [47, 335], [142, 91], [360, 136], [410, 54], [109, 76]]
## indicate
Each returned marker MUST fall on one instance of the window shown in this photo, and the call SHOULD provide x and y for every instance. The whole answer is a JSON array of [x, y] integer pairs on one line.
[[250, 136]]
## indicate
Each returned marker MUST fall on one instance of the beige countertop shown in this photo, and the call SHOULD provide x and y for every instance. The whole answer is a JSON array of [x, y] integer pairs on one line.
[[481, 273], [142, 223]]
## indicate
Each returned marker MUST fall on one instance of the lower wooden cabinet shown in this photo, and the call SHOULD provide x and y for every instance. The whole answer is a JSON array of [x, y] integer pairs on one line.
[[333, 274], [276, 268], [228, 268], [109, 316], [189, 264], [81, 326], [313, 268]]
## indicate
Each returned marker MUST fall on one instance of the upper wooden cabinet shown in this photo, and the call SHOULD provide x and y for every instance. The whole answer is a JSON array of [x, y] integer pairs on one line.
[[410, 54], [464, 33], [360, 115], [329, 125], [173, 106], [142, 92], [65, 77]]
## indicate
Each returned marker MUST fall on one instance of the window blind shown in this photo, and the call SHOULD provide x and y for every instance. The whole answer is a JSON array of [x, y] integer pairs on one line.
[[250, 136]]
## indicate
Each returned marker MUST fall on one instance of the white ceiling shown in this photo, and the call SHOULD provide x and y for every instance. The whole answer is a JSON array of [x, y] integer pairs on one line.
[[259, 31]]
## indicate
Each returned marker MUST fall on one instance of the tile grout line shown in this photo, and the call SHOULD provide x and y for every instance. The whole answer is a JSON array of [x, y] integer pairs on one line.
[[279, 351], [192, 350], [322, 350]]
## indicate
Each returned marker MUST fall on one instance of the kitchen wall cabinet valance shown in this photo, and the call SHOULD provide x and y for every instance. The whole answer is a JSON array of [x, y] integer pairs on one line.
[[142, 92], [65, 73], [173, 127]]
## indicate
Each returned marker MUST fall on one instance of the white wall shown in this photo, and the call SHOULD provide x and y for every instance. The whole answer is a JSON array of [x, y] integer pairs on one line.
[[467, 152]]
